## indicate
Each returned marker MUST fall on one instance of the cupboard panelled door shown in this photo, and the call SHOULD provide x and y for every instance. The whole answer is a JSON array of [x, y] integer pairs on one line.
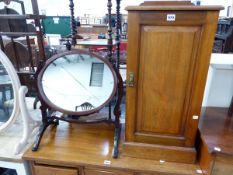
[[167, 62]]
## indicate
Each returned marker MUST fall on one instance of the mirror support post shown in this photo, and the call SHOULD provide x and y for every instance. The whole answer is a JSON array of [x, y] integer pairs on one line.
[[118, 31], [72, 23], [117, 113]]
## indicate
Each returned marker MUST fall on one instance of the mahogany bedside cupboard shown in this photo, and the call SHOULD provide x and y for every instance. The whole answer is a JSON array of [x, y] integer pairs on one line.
[[169, 48]]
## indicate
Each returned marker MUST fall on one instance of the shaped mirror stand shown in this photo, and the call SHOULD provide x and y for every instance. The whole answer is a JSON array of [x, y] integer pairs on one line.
[[78, 83]]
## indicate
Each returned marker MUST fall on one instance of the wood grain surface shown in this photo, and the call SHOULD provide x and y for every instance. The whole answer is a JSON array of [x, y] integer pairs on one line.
[[73, 145]]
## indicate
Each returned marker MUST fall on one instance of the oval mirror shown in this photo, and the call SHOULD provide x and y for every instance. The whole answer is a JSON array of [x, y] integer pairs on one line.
[[6, 95], [77, 82], [9, 85]]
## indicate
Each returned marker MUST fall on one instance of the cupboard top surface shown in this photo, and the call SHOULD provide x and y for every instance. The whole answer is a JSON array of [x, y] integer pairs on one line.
[[175, 8]]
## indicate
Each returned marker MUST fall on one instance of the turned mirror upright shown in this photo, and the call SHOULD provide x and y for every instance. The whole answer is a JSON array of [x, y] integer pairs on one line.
[[77, 86]]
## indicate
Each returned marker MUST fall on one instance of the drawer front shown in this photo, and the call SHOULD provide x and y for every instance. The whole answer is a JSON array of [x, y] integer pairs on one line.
[[105, 172], [45, 170]]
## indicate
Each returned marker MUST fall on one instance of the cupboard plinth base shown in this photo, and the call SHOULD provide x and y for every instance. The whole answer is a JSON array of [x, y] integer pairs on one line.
[[159, 152]]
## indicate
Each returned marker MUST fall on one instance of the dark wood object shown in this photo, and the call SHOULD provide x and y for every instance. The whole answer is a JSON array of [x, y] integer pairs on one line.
[[87, 149], [118, 31], [230, 110], [110, 30], [224, 36], [169, 48], [24, 58], [72, 23], [20, 58], [16, 24], [216, 138]]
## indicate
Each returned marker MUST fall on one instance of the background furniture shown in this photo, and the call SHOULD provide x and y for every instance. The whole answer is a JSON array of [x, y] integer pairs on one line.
[[27, 54], [230, 110], [169, 48], [224, 36], [109, 30], [56, 25], [215, 141]]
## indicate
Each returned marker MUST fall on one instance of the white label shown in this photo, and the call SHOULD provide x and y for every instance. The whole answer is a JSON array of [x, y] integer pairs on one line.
[[107, 162], [195, 117], [171, 17], [217, 149], [162, 161], [199, 171]]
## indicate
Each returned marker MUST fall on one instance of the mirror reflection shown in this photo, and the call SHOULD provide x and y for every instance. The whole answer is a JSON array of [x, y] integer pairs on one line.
[[78, 82], [6, 95]]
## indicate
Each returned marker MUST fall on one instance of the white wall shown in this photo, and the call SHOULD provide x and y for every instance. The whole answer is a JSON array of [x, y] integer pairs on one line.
[[224, 3], [219, 86]]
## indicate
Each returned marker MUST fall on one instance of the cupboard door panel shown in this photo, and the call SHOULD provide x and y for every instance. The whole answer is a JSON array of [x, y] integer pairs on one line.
[[46, 170], [167, 61]]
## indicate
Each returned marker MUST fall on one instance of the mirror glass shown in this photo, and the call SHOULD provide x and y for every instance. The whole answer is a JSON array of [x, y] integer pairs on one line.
[[78, 82], [6, 95]]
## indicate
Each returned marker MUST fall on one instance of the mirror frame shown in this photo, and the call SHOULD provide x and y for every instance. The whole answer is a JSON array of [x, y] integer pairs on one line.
[[48, 103], [15, 85]]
